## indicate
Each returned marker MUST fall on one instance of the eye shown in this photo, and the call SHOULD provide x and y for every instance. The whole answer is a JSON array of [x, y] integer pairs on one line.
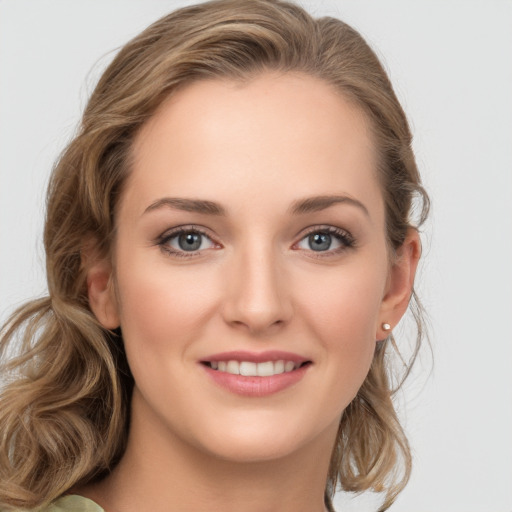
[[326, 239], [185, 242]]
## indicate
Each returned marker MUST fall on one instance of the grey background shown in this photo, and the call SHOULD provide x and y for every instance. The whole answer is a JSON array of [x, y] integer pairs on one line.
[[451, 63]]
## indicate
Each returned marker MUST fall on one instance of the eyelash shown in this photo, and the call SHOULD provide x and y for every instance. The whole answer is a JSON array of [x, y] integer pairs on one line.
[[163, 241], [346, 240]]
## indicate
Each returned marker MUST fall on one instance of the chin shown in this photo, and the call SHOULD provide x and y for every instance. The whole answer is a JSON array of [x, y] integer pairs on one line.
[[250, 451], [264, 440]]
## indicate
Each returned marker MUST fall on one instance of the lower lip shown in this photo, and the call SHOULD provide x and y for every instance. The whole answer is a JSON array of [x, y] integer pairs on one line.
[[256, 386]]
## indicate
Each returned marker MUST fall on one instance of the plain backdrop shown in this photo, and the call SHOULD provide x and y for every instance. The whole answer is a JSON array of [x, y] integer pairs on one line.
[[451, 64]]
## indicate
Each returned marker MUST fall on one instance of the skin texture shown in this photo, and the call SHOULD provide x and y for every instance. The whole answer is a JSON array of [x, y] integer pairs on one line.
[[255, 149]]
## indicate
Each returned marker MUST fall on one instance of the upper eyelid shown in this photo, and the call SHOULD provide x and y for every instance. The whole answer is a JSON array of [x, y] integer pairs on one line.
[[185, 228], [323, 227], [320, 227]]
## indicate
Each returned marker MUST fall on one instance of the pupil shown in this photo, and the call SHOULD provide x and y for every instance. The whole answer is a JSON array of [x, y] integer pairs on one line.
[[189, 241], [320, 241]]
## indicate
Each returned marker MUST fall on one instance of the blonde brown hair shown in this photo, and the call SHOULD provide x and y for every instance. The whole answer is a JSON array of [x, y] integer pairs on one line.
[[65, 404]]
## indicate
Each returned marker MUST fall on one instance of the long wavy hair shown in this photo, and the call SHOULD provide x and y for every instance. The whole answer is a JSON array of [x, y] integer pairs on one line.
[[65, 399]]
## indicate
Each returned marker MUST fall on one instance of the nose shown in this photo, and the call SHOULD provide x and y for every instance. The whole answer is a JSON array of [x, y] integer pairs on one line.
[[257, 298]]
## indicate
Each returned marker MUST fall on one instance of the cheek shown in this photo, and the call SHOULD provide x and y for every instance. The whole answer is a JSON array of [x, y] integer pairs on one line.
[[344, 304], [160, 304], [341, 311]]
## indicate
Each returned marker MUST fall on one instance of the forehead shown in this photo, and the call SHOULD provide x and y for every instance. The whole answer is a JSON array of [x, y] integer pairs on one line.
[[220, 139]]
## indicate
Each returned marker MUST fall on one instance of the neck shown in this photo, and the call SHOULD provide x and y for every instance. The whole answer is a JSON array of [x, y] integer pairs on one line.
[[161, 472]]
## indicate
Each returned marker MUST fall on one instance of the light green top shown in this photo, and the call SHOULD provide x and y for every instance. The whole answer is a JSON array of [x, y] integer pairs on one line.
[[73, 503]]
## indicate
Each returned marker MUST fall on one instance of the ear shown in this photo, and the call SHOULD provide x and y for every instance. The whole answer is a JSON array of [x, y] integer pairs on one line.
[[100, 287], [399, 284]]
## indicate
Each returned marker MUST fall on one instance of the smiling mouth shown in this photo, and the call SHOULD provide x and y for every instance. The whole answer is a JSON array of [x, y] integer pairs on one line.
[[253, 369]]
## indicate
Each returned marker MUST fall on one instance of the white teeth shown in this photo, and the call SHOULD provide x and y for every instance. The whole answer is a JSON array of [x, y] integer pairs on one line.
[[233, 367], [289, 366], [265, 369], [279, 367], [248, 369], [251, 369]]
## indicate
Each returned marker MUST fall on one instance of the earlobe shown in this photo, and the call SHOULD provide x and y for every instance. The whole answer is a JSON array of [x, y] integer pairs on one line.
[[400, 284], [100, 290]]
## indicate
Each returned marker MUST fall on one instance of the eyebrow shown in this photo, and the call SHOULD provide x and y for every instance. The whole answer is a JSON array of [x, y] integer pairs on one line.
[[318, 203], [301, 206], [187, 205]]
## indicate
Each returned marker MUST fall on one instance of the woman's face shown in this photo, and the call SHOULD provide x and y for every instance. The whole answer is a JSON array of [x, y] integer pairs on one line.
[[250, 240]]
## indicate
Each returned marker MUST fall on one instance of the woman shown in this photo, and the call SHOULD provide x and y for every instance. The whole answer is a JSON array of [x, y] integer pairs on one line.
[[229, 245]]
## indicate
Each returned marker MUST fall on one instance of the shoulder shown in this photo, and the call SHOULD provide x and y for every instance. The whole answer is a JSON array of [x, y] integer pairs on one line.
[[73, 503]]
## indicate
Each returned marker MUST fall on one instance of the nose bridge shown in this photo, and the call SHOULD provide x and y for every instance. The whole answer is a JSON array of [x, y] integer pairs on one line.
[[257, 295]]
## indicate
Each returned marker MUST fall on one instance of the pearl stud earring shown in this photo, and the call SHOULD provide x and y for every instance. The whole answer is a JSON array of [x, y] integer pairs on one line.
[[386, 327]]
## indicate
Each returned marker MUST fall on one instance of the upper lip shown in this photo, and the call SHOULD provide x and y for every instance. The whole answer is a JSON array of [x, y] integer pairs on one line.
[[256, 357]]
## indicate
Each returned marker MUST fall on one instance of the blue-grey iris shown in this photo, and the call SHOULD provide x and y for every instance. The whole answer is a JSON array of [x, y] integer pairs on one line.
[[189, 241], [319, 241]]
